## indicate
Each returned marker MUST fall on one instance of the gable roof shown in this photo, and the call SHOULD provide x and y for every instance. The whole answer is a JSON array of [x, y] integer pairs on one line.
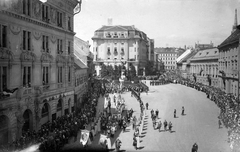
[[234, 37]]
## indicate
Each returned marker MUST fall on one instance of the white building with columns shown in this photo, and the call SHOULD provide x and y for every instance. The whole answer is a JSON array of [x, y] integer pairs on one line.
[[204, 67]]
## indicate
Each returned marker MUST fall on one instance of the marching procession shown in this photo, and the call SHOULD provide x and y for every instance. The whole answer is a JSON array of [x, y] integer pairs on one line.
[[229, 115]]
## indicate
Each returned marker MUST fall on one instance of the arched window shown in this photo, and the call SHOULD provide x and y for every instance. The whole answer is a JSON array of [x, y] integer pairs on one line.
[[45, 110], [59, 105]]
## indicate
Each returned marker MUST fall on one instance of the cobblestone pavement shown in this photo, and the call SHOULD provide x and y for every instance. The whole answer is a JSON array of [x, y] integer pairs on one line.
[[200, 124]]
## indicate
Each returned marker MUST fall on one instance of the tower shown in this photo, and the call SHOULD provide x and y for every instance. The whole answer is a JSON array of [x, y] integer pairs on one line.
[[235, 22]]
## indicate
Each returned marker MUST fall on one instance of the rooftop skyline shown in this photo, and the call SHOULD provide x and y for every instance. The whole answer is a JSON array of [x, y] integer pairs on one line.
[[171, 23]]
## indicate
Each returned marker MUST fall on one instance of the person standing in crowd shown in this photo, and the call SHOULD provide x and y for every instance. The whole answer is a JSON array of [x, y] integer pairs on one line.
[[175, 111], [147, 106], [183, 110], [118, 143], [219, 123]]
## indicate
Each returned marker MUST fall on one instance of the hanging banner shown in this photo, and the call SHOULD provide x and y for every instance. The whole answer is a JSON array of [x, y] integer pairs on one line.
[[84, 137]]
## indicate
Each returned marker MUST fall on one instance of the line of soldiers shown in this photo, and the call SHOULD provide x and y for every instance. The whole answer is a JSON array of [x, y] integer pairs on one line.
[[159, 82]]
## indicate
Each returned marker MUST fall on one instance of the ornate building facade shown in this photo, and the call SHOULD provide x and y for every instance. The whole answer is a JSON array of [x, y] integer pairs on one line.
[[113, 45], [229, 61], [36, 64], [204, 67]]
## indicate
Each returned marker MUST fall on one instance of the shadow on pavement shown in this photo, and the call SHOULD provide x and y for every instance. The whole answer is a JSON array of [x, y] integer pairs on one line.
[[141, 147], [144, 133]]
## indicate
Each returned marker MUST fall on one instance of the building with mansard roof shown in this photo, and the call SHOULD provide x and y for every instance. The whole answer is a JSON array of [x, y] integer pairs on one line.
[[114, 45], [204, 67], [36, 66], [228, 62]]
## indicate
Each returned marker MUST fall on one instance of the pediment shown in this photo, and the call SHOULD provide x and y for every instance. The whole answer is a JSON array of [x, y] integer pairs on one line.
[[115, 28]]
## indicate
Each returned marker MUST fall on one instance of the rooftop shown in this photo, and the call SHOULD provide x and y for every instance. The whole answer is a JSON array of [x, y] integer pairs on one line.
[[234, 37], [206, 54]]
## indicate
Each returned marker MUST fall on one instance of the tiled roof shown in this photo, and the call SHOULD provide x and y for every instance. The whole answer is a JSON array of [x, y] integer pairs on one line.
[[234, 37], [206, 54]]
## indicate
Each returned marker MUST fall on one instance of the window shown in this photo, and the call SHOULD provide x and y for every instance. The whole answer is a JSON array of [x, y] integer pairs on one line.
[[59, 46], [45, 75], [45, 12], [26, 76], [45, 43], [69, 47], [69, 74], [3, 78], [108, 51], [69, 23], [26, 7], [26, 40], [59, 19], [60, 75], [3, 36]]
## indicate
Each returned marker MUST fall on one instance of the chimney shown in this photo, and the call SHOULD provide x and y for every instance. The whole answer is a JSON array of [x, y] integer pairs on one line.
[[109, 21], [235, 22]]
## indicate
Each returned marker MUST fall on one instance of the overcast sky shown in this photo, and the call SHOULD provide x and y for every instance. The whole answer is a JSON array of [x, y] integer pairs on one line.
[[172, 23]]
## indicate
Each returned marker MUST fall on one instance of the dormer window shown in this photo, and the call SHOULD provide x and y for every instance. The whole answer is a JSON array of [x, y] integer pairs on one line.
[[207, 53], [115, 35]]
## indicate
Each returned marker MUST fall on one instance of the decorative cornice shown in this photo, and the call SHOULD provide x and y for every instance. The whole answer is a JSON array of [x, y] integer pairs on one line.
[[15, 29], [40, 23]]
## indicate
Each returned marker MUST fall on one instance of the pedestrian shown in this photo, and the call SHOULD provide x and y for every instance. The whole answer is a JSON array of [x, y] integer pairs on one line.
[[170, 126], [195, 147], [118, 144], [157, 113], [183, 110], [175, 113], [219, 123], [147, 106], [159, 126], [165, 125]]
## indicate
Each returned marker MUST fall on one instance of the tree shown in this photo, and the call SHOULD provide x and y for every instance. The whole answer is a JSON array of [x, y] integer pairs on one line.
[[132, 72], [149, 68], [103, 70]]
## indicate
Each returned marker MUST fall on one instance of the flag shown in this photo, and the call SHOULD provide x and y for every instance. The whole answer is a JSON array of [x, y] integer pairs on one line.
[[84, 137]]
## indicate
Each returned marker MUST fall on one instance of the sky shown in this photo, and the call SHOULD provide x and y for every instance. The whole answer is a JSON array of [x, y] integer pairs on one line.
[[171, 23]]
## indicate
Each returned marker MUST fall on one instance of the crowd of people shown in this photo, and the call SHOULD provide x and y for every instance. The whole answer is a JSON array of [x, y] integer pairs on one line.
[[52, 136], [227, 103]]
